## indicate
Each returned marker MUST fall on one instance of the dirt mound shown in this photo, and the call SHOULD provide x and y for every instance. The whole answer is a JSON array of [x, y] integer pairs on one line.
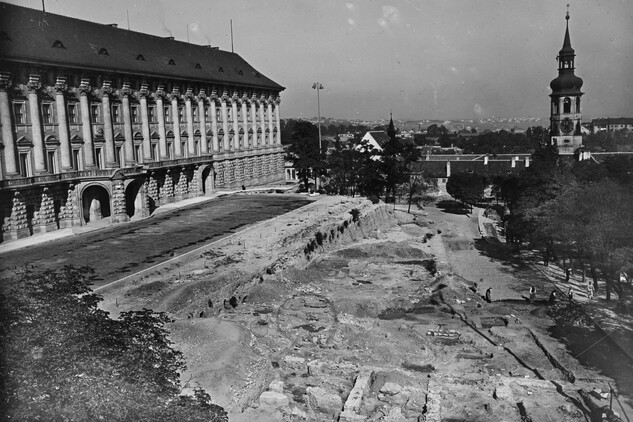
[[385, 250], [267, 292], [452, 289]]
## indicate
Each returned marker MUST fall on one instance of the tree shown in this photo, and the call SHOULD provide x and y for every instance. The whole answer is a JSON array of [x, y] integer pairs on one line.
[[304, 152], [64, 359], [417, 189], [467, 188]]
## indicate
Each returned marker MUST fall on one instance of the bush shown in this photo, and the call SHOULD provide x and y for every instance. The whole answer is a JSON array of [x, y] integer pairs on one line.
[[374, 199], [65, 359], [355, 214], [319, 238]]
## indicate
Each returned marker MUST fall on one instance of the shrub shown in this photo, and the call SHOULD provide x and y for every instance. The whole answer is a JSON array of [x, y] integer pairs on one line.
[[374, 199], [319, 238], [355, 214]]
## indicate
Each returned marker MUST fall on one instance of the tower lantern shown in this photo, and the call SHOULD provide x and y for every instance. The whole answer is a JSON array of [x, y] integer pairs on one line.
[[565, 116]]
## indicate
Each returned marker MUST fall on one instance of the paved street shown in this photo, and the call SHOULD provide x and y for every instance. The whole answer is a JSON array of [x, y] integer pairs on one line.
[[120, 250]]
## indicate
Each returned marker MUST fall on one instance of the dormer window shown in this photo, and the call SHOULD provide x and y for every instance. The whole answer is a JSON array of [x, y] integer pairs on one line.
[[240, 72], [197, 66], [140, 57], [104, 52], [221, 70], [58, 44], [257, 74], [171, 62], [4, 36]]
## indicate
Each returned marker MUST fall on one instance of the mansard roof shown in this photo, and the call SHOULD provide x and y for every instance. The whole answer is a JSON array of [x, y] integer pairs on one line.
[[33, 36]]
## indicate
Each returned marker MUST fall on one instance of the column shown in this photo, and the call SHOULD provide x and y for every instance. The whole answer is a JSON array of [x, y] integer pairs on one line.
[[147, 142], [254, 120], [175, 117], [127, 124], [160, 114], [10, 161], [86, 124], [214, 124], [271, 141], [62, 123], [108, 131], [203, 122], [225, 124], [245, 123], [189, 111], [236, 125], [262, 123], [277, 122], [36, 124]]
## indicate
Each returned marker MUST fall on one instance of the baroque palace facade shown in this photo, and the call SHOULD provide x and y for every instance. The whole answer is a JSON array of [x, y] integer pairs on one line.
[[99, 122]]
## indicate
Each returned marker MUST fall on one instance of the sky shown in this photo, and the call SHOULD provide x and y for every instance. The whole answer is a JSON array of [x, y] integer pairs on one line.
[[420, 59]]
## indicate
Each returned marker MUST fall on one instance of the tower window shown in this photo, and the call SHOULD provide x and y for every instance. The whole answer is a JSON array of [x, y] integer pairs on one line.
[[567, 105]]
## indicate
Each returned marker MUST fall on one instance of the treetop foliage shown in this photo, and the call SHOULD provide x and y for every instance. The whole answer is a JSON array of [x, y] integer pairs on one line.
[[64, 359]]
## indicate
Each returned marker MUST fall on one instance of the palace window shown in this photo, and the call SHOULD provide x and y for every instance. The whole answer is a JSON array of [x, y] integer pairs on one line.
[[47, 113], [51, 160], [25, 164], [72, 113], [137, 153], [94, 113], [118, 155], [155, 152], [151, 111], [134, 114], [181, 113], [76, 159], [18, 113], [116, 114], [99, 157], [167, 114]]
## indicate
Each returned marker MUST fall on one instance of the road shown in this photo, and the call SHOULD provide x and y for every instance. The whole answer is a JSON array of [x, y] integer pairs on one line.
[[117, 251]]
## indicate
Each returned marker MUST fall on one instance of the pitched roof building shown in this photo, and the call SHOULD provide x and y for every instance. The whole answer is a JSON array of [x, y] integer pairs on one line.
[[101, 122]]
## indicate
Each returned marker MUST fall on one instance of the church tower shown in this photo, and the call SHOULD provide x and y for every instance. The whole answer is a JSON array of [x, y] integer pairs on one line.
[[565, 112]]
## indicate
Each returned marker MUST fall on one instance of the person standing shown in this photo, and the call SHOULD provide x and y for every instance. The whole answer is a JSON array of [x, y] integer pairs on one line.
[[532, 294], [489, 295], [570, 294], [590, 290]]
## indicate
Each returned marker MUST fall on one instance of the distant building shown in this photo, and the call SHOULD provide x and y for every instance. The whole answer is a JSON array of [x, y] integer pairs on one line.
[[105, 123], [377, 139], [599, 125], [565, 116]]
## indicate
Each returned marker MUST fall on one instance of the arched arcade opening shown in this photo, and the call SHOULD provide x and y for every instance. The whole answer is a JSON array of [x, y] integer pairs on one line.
[[95, 203]]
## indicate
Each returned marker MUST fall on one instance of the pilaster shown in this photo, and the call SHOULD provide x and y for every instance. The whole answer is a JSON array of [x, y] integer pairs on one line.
[[33, 87], [8, 138], [125, 93], [84, 90], [62, 123], [108, 131]]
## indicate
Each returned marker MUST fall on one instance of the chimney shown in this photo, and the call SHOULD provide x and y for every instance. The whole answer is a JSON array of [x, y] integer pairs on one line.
[[486, 160], [448, 168], [527, 161]]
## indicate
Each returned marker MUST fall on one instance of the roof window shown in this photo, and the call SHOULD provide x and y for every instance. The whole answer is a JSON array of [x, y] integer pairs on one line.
[[171, 62], [221, 70], [104, 52], [4, 36], [58, 44], [140, 57], [240, 73], [198, 66], [257, 74]]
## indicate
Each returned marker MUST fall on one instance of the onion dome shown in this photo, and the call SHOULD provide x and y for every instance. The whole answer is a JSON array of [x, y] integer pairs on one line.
[[566, 82]]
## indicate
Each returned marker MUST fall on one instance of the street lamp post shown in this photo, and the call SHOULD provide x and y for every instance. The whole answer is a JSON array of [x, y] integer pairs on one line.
[[318, 87]]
